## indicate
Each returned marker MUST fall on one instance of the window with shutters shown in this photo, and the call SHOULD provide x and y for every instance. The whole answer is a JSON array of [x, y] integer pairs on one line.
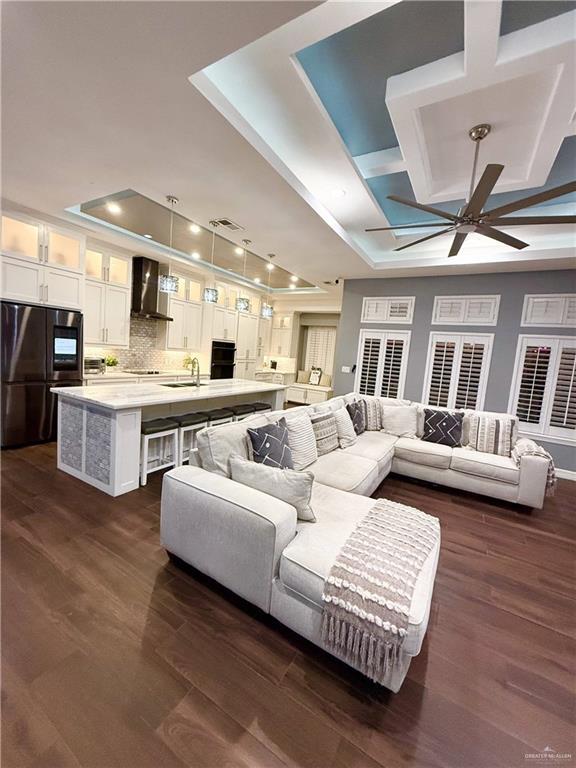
[[457, 370], [554, 310], [465, 310], [382, 360], [544, 387], [388, 309], [320, 345]]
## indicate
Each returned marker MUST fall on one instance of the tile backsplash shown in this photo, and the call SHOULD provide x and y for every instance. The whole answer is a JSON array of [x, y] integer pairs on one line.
[[143, 351]]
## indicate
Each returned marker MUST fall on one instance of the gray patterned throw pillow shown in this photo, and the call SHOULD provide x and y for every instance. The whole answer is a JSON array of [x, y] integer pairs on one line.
[[325, 432], [270, 445], [356, 412], [372, 415], [443, 427]]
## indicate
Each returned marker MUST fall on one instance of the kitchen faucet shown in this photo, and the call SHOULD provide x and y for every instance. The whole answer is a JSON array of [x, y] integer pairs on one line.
[[195, 370]]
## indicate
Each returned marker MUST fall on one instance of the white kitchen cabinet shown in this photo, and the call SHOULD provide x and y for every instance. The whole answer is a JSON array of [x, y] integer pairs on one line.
[[308, 394], [189, 288], [282, 322], [184, 332], [41, 264], [223, 323], [106, 315], [281, 342], [247, 336], [108, 267], [263, 341], [33, 283], [245, 369]]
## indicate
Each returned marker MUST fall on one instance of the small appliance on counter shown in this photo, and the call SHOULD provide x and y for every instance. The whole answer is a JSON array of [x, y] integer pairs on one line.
[[94, 365], [273, 364], [41, 348]]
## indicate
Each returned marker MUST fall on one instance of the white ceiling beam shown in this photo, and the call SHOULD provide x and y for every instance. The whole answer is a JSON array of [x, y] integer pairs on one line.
[[481, 34], [380, 163]]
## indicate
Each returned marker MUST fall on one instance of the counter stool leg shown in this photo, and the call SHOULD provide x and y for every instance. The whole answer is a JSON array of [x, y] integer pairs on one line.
[[143, 460]]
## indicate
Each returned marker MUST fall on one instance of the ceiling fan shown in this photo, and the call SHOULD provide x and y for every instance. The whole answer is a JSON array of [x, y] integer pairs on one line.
[[472, 218]]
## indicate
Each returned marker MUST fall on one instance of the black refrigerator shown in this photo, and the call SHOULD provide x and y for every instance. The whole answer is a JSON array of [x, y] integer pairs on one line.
[[41, 347]]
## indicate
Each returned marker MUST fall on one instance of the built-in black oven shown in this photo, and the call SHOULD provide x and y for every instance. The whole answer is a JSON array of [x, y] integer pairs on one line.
[[223, 360]]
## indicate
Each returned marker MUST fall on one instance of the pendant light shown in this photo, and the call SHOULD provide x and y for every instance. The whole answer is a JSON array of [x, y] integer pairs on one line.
[[267, 310], [210, 295], [169, 283], [243, 302]]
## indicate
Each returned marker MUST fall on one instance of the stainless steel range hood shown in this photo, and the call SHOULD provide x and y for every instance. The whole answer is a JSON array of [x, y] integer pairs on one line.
[[145, 289]]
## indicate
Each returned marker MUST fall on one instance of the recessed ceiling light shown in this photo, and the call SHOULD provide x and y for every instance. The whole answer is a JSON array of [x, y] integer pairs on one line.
[[113, 208], [194, 228], [294, 279], [148, 236], [239, 251], [292, 286], [195, 255], [256, 279], [270, 267]]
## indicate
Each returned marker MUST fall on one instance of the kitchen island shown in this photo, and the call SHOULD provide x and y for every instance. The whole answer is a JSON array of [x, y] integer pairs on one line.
[[99, 427]]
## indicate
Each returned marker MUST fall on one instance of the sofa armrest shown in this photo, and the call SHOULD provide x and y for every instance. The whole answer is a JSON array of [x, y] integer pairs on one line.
[[230, 532], [533, 478]]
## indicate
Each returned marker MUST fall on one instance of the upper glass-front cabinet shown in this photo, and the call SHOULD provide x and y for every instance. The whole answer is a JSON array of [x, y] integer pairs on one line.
[[21, 238], [107, 267], [25, 238]]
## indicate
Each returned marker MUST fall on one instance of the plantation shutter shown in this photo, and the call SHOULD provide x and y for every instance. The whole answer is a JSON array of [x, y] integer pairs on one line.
[[469, 375], [441, 374], [392, 367], [563, 412], [382, 361], [532, 391], [320, 346], [369, 363]]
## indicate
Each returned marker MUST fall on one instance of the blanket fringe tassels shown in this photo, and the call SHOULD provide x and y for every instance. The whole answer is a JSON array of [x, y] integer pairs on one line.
[[365, 616]]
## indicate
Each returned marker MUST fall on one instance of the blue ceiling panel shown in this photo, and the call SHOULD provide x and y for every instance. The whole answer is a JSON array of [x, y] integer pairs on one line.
[[563, 171], [349, 70], [519, 14]]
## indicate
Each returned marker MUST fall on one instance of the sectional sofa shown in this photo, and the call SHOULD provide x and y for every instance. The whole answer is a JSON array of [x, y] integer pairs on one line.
[[253, 544]]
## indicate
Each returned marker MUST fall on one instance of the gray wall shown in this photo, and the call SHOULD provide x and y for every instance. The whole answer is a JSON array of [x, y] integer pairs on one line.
[[510, 286]]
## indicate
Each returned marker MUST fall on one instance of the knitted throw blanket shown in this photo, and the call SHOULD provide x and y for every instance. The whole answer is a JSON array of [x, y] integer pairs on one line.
[[526, 447], [368, 592]]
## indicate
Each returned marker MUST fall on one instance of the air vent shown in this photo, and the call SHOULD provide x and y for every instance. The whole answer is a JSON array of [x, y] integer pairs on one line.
[[229, 224]]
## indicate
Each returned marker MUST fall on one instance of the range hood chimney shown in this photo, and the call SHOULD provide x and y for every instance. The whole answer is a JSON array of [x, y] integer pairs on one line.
[[145, 289]]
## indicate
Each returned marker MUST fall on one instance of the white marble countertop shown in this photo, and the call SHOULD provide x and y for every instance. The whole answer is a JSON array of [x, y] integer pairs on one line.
[[119, 374], [120, 396]]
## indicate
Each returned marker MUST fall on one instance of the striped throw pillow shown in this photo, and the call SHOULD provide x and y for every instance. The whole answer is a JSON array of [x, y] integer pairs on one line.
[[302, 441], [325, 432], [345, 428], [372, 414], [491, 434]]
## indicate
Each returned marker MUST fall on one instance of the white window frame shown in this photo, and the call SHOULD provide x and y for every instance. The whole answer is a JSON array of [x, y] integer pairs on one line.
[[541, 430], [383, 336], [527, 322], [464, 319], [459, 339], [387, 300]]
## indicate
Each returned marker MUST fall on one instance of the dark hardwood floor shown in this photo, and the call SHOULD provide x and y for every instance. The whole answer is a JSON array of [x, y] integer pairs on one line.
[[115, 657]]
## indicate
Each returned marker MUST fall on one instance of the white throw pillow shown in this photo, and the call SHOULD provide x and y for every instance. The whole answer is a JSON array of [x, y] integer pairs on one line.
[[400, 420], [295, 488], [301, 439], [346, 434]]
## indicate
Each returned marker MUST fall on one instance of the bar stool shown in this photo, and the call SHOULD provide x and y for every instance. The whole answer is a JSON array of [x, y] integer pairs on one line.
[[163, 430], [260, 407], [219, 416], [190, 424], [242, 411]]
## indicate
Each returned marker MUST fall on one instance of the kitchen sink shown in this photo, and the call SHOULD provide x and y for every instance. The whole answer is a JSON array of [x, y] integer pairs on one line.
[[179, 384]]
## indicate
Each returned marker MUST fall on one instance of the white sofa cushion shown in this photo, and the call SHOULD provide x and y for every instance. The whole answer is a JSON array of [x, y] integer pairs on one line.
[[307, 559], [342, 470], [216, 444], [377, 446], [400, 420], [421, 452], [488, 465]]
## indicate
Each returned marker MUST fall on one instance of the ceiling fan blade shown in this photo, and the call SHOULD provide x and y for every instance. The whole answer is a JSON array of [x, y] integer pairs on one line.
[[483, 189], [408, 226], [513, 221], [414, 204], [428, 237], [526, 202], [502, 237], [457, 243]]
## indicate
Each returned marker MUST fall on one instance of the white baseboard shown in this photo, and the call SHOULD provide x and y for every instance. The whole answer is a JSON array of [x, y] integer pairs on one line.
[[566, 474]]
